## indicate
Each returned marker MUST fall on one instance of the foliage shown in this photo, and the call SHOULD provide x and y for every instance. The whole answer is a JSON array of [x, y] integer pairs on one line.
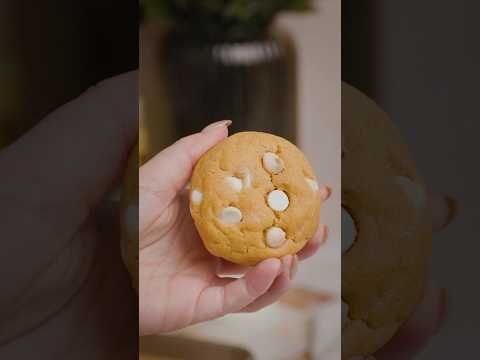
[[233, 19]]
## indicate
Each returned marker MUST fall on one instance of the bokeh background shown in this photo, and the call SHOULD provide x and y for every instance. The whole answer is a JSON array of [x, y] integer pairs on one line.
[[50, 54], [420, 63]]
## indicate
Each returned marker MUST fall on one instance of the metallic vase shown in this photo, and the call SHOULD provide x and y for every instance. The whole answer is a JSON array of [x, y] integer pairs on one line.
[[252, 82]]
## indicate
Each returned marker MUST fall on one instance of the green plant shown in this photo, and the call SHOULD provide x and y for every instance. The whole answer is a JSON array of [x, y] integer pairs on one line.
[[233, 19]]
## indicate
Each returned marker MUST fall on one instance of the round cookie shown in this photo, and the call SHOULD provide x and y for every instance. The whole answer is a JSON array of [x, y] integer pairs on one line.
[[386, 228], [254, 196], [129, 217]]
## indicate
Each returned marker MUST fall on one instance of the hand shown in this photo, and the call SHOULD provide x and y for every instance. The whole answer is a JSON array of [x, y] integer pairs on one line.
[[430, 314], [179, 282], [64, 287]]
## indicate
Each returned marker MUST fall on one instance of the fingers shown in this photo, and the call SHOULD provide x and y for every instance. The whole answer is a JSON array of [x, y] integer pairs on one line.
[[444, 210], [325, 192], [72, 157], [169, 171], [279, 287], [228, 269], [416, 332], [269, 290], [315, 243], [161, 178], [217, 301], [321, 234]]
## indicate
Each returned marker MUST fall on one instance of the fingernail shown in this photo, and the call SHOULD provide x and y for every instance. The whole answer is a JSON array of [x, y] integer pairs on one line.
[[325, 232], [216, 125], [325, 193], [286, 264], [442, 309], [294, 268], [453, 208]]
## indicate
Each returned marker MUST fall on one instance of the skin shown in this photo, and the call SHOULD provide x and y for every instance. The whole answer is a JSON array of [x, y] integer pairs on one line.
[[60, 269], [175, 266], [52, 202]]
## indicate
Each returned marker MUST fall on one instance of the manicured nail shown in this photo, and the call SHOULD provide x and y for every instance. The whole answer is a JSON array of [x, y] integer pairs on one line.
[[216, 125], [287, 261], [453, 208], [294, 268], [325, 232], [325, 193]]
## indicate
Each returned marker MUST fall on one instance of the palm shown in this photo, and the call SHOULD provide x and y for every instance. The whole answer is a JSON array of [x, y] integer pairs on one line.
[[175, 270], [178, 282]]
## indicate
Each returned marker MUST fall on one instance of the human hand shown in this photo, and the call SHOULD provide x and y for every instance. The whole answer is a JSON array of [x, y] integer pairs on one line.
[[179, 282], [427, 320], [60, 265]]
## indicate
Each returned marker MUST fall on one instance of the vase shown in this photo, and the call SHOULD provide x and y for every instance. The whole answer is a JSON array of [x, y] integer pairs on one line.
[[250, 81]]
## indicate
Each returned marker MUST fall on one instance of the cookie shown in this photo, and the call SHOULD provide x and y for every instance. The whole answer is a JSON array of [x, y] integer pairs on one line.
[[254, 196], [386, 228], [129, 217]]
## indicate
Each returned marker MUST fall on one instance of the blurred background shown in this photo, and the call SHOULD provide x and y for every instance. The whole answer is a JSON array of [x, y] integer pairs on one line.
[[50, 54], [420, 63], [268, 68]]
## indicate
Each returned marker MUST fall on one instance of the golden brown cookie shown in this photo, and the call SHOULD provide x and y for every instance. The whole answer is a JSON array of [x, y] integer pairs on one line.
[[386, 228], [129, 217], [254, 196]]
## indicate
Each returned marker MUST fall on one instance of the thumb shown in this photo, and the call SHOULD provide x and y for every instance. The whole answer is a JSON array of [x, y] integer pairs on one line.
[[165, 175]]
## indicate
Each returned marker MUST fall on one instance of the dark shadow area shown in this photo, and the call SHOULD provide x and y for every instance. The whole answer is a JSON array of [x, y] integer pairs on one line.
[[419, 63], [68, 121]]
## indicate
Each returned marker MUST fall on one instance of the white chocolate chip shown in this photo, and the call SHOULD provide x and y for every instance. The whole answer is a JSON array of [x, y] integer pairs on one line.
[[345, 309], [313, 184], [414, 191], [196, 197], [247, 178], [272, 163], [230, 216], [275, 237], [235, 183], [278, 200], [349, 231]]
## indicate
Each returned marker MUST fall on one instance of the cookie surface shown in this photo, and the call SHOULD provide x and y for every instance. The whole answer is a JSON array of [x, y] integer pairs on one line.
[[386, 228], [254, 196]]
